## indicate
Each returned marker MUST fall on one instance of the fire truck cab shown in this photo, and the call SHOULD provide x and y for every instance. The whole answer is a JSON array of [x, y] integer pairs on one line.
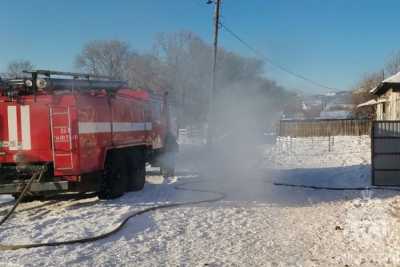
[[83, 132]]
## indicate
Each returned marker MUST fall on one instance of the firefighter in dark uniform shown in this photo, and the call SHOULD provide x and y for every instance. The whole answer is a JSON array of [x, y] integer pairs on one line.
[[169, 155]]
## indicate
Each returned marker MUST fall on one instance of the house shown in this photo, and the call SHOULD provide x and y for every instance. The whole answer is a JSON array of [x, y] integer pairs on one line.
[[387, 98]]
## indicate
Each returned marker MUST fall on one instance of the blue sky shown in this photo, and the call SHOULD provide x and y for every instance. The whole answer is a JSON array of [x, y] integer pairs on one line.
[[333, 42]]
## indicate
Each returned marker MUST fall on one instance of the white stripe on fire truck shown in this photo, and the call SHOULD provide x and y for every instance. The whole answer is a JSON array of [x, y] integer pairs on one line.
[[94, 127], [12, 128], [119, 127], [131, 126], [26, 127]]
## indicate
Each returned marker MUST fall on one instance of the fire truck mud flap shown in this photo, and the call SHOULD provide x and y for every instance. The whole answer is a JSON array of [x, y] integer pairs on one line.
[[35, 187]]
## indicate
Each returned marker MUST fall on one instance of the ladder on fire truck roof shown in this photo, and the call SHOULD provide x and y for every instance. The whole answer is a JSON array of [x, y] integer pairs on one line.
[[77, 81], [76, 75]]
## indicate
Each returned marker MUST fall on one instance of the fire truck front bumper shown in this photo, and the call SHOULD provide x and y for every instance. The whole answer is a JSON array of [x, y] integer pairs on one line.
[[35, 187]]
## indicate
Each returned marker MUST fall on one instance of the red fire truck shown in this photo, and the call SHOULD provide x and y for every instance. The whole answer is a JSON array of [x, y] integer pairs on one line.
[[82, 132]]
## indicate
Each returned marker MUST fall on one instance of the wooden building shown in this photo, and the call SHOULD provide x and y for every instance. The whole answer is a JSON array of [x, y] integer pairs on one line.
[[388, 98]]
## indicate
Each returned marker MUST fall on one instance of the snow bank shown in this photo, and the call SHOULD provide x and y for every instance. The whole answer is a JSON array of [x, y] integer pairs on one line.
[[5, 198]]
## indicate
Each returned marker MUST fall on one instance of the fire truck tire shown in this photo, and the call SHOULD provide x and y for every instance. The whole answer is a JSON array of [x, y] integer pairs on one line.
[[137, 171], [114, 178], [140, 179]]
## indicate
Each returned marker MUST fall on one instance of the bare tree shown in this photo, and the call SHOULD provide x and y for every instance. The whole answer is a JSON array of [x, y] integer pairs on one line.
[[392, 65], [362, 94], [188, 61], [144, 71], [116, 59], [105, 57], [16, 67], [181, 65]]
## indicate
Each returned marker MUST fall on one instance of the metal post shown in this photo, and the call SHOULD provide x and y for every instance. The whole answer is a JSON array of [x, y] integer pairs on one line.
[[211, 112]]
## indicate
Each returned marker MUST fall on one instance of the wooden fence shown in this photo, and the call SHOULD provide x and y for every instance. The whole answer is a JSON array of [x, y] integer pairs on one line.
[[328, 127]]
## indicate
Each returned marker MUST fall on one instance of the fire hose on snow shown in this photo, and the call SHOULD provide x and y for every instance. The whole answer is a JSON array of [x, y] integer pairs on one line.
[[335, 188], [24, 191], [218, 196]]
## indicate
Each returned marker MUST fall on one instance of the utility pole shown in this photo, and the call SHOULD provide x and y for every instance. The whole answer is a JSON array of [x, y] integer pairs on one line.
[[213, 93]]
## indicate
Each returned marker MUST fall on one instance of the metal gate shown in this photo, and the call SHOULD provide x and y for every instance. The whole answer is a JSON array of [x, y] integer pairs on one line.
[[385, 149]]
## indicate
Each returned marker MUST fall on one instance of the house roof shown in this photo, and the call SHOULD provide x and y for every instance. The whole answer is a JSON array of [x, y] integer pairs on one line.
[[392, 82], [371, 102], [368, 103]]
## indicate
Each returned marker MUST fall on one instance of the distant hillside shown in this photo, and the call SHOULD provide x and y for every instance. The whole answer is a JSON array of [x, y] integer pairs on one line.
[[335, 105]]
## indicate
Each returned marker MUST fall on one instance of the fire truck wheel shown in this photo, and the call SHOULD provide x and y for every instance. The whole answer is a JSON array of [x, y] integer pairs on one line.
[[114, 178], [137, 173]]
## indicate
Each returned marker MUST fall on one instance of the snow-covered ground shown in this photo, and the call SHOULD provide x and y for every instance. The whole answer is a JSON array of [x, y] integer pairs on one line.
[[257, 224]]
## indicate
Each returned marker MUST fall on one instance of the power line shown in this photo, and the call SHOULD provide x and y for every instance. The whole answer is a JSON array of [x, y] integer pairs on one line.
[[278, 66]]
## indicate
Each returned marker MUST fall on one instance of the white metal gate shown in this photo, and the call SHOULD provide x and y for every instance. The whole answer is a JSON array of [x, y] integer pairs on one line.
[[385, 148]]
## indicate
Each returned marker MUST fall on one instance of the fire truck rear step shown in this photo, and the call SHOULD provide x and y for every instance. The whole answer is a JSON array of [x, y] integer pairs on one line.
[[36, 187]]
